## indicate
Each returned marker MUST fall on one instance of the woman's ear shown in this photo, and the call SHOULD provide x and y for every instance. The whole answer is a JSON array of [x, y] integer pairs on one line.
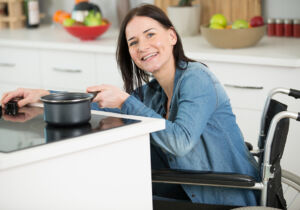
[[172, 36]]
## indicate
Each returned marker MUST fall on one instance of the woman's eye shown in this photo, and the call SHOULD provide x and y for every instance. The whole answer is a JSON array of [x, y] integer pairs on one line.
[[150, 35], [132, 43]]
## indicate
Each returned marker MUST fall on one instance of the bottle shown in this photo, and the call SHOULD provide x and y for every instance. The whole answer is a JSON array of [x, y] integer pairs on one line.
[[32, 13], [271, 27], [279, 31], [288, 27], [296, 28]]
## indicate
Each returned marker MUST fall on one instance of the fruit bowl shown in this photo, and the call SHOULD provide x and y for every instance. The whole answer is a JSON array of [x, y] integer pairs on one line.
[[233, 38], [87, 32]]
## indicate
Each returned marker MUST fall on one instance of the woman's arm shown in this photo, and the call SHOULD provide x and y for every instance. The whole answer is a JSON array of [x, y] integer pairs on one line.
[[196, 103]]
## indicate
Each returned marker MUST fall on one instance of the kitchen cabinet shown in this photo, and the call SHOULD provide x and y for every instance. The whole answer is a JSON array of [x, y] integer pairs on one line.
[[51, 59], [66, 70], [107, 71], [19, 66]]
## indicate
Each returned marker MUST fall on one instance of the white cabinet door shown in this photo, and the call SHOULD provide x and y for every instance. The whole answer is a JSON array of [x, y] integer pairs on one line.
[[66, 70], [19, 67], [107, 71], [249, 123], [248, 85]]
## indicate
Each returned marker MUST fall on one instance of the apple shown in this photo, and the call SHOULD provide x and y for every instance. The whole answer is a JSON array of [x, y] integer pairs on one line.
[[256, 21], [93, 19], [216, 26], [68, 22], [238, 24], [218, 19]]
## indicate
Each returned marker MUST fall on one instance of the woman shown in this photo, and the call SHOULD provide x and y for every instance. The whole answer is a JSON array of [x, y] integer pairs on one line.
[[201, 131]]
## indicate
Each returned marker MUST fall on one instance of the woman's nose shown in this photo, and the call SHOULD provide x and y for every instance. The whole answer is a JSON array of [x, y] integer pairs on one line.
[[143, 45]]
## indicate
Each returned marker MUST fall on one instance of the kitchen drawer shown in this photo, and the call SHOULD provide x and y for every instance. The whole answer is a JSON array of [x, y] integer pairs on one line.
[[66, 70], [19, 66], [249, 85], [107, 71]]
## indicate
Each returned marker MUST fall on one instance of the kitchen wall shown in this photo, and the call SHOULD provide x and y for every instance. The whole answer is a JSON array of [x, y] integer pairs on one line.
[[281, 9]]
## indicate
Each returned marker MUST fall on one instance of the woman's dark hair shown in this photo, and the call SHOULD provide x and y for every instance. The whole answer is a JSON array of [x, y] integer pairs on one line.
[[133, 77]]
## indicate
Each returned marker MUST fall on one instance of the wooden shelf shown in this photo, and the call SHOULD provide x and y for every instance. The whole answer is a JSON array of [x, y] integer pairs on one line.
[[15, 18]]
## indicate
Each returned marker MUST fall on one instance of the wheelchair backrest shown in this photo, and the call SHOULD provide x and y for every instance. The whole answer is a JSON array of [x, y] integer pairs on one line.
[[275, 195]]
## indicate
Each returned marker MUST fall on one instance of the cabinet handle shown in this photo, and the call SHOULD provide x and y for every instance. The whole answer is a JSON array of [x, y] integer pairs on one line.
[[244, 87], [67, 70], [7, 64]]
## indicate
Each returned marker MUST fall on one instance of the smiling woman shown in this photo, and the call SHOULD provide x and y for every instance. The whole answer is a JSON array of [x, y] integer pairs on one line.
[[201, 131]]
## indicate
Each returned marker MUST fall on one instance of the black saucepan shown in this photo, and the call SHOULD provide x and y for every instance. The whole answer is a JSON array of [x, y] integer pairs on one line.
[[65, 109]]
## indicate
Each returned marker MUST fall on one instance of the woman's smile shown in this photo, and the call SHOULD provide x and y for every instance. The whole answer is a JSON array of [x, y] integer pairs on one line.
[[149, 56]]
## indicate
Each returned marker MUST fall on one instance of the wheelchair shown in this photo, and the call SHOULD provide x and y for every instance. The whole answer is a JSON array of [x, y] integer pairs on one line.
[[274, 128]]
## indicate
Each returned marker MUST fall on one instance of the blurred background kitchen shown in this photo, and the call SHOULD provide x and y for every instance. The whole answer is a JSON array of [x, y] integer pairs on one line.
[[270, 8]]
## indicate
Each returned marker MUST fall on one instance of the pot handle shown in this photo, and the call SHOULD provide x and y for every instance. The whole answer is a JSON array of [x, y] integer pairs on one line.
[[94, 94]]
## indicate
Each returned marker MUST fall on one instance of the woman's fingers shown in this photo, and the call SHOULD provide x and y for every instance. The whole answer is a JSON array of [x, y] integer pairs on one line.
[[109, 96], [25, 101], [10, 95], [27, 96]]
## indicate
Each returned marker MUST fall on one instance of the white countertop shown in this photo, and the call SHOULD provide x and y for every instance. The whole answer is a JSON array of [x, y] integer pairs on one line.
[[271, 51], [43, 152]]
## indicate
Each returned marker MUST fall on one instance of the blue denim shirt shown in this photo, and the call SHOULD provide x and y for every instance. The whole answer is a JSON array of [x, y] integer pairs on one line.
[[201, 132]]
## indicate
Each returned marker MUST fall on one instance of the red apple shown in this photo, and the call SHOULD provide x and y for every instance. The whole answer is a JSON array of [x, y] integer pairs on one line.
[[256, 21]]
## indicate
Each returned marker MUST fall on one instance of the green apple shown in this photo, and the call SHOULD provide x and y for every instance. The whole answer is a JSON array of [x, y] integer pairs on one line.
[[240, 24], [93, 19], [218, 19], [216, 26], [68, 22]]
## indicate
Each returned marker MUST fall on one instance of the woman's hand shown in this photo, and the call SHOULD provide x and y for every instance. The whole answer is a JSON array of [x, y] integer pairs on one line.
[[109, 96], [27, 96]]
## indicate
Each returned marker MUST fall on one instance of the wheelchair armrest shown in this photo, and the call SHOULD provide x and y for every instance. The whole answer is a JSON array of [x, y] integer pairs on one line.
[[190, 177]]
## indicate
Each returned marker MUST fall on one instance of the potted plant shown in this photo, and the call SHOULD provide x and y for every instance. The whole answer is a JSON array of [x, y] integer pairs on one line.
[[185, 17]]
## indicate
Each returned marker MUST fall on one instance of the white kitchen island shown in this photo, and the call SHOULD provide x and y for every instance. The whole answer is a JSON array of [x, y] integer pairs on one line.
[[104, 170]]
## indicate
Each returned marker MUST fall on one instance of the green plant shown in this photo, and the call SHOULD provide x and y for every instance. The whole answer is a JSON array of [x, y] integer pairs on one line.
[[185, 3]]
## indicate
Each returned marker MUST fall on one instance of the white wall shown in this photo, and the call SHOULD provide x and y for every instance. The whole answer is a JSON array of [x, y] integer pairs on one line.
[[281, 9]]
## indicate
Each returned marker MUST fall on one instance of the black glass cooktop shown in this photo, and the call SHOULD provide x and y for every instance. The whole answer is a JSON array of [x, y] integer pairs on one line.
[[27, 129]]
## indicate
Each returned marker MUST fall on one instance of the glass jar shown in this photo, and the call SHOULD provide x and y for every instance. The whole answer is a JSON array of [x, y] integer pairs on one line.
[[288, 27], [271, 27], [296, 28], [279, 29]]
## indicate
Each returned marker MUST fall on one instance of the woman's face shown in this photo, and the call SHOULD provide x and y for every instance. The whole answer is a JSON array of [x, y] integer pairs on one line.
[[150, 44]]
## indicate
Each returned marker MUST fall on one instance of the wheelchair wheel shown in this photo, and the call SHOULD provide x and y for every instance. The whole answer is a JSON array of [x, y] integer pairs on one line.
[[291, 189]]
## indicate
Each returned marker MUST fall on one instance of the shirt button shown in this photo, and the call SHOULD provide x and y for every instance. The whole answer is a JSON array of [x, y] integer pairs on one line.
[[193, 195]]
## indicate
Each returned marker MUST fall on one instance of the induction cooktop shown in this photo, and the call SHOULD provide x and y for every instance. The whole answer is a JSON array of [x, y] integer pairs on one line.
[[27, 129]]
